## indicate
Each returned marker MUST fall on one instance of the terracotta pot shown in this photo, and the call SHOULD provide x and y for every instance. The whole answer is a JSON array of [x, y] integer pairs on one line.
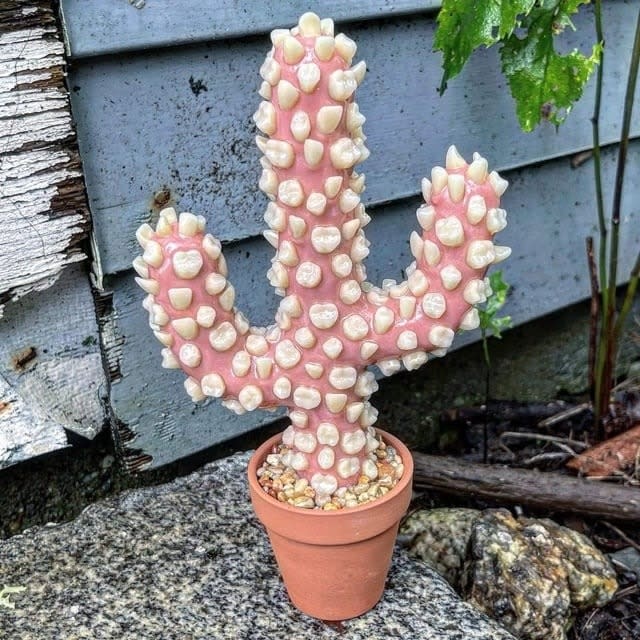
[[334, 563]]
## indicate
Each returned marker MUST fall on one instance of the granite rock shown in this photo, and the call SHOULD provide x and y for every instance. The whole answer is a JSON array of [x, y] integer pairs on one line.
[[188, 560]]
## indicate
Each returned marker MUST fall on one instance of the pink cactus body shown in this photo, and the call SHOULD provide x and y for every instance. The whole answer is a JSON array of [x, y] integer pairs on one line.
[[331, 324]]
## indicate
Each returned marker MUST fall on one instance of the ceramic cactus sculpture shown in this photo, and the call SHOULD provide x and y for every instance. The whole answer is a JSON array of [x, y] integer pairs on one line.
[[331, 324]]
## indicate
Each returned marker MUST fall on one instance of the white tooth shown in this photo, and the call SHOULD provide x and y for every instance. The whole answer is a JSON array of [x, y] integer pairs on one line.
[[362, 215], [290, 192], [169, 215], [148, 285], [342, 84], [364, 152], [502, 253], [440, 336], [475, 292], [369, 415], [163, 228], [306, 397], [160, 316], [300, 126], [187, 264], [305, 338], [410, 268], [356, 182], [415, 360], [292, 306], [256, 345], [223, 337], [190, 355], [287, 254], [279, 153], [355, 327], [359, 70], [499, 184], [165, 338], [278, 36], [369, 469], [496, 220], [476, 209], [350, 228], [273, 333], [399, 290], [270, 71], [187, 224], [451, 277], [323, 485], [426, 215], [180, 298], [417, 245], [309, 24], [366, 384], [343, 377], [328, 118], [326, 458], [470, 320], [354, 118], [314, 369], [387, 283], [449, 231], [265, 90], [297, 225], [271, 237], [211, 246], [325, 239], [335, 401], [454, 159], [407, 307], [299, 419], [313, 152], [193, 389], [292, 49], [327, 433], [332, 348], [185, 327], [282, 388], [282, 319], [268, 182], [308, 76], [241, 323], [287, 355], [439, 178], [350, 292], [141, 267], [265, 118], [323, 316], [287, 95], [383, 320], [359, 248], [324, 47], [233, 405], [341, 265], [227, 298], [349, 200], [354, 411], [287, 436], [348, 467], [144, 234], [213, 385], [215, 283], [152, 254], [326, 26], [250, 397], [431, 253], [368, 349], [316, 203], [241, 363], [308, 275], [407, 341], [345, 47], [305, 441], [418, 283], [353, 442], [480, 254], [434, 305], [202, 223], [169, 361], [477, 170], [455, 182], [344, 153], [332, 186], [426, 190]]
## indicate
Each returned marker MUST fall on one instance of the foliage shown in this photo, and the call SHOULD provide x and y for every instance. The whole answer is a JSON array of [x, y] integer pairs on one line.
[[491, 324], [543, 83]]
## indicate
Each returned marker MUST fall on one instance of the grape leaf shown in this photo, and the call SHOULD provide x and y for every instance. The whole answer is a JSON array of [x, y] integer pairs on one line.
[[490, 322], [543, 83], [465, 25]]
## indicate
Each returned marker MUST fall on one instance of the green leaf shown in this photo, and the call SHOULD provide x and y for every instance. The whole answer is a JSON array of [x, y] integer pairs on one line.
[[543, 83], [489, 320], [465, 25]]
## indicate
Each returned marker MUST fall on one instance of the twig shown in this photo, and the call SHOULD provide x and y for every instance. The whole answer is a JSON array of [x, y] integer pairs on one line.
[[544, 457], [593, 317], [542, 436], [564, 415], [622, 535]]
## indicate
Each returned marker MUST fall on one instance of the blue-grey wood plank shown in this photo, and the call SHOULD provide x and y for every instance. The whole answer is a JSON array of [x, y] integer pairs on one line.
[[142, 127], [551, 210], [104, 27]]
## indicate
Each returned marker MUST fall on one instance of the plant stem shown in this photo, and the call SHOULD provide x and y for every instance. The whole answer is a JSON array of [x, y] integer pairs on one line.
[[487, 382], [628, 298], [593, 316]]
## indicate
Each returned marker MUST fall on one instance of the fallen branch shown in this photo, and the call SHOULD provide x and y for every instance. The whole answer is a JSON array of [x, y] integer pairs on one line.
[[538, 490]]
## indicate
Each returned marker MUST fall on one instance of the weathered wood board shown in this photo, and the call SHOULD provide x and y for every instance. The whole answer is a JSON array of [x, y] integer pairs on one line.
[[176, 123], [547, 271]]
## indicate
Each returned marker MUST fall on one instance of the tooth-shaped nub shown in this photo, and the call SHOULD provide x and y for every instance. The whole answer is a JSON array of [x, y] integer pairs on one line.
[[470, 320], [187, 264], [434, 305], [345, 47], [309, 24], [383, 320], [316, 203], [141, 267], [185, 327], [332, 186], [502, 253], [332, 348], [180, 297], [152, 254], [417, 245], [282, 388], [343, 377], [426, 215], [300, 126], [241, 363], [213, 385], [349, 200], [426, 190], [265, 118], [449, 231], [439, 178], [496, 220], [480, 254], [193, 389], [307, 397], [190, 355], [350, 228], [144, 234], [450, 277], [344, 153], [441, 337], [297, 225], [359, 70], [227, 298], [287, 254], [293, 50], [477, 170], [268, 182], [215, 283], [323, 316], [279, 153], [290, 192], [169, 361], [325, 239], [287, 94], [206, 316], [211, 246], [271, 237], [498, 183], [476, 209], [455, 182], [187, 224], [313, 152], [250, 397], [431, 253], [308, 76], [328, 118], [270, 71], [454, 160], [342, 84], [223, 337], [326, 26], [324, 47]]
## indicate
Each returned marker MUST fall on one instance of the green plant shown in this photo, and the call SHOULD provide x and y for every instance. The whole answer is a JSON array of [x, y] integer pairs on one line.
[[544, 86]]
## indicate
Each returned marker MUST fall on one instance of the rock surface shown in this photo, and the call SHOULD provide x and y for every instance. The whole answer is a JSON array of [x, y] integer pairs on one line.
[[188, 560]]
